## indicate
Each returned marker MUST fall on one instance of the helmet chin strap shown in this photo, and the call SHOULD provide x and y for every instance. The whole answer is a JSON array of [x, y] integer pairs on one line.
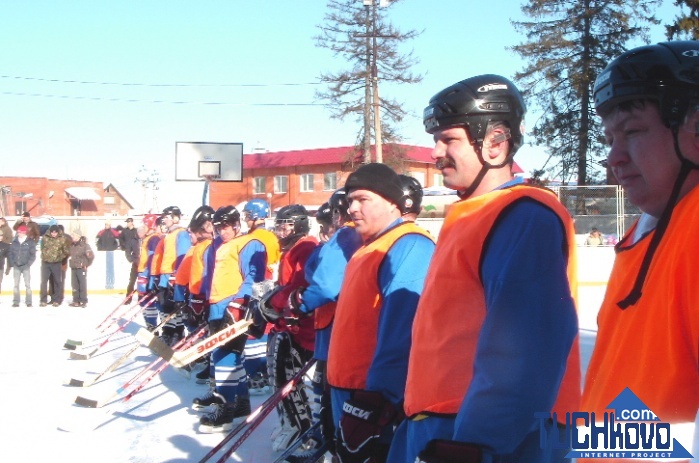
[[485, 167], [686, 166]]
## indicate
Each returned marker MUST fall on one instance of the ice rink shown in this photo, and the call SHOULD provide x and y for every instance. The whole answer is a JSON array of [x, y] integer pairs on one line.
[[42, 423]]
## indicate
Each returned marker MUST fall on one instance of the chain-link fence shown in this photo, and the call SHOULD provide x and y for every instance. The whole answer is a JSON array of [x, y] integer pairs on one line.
[[604, 207]]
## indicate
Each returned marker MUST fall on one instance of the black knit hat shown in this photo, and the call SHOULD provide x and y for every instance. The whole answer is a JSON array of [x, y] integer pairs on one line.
[[378, 178]]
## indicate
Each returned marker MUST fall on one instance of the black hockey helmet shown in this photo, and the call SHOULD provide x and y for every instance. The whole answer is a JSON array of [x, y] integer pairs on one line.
[[474, 103], [172, 210], [340, 204], [667, 72], [412, 190], [202, 215], [226, 215], [296, 214], [324, 214]]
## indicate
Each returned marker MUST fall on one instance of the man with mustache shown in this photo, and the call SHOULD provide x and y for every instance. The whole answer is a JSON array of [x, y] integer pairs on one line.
[[495, 332]]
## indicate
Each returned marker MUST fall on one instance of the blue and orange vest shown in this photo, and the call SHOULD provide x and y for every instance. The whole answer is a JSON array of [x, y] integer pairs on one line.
[[227, 277], [449, 322], [354, 338], [652, 347], [171, 260]]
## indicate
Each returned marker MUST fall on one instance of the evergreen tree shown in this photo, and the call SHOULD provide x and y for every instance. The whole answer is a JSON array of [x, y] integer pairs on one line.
[[568, 42], [686, 26], [364, 38]]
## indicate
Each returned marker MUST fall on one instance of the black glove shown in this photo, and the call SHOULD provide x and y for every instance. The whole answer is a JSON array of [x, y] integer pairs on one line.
[[364, 417], [449, 451], [259, 324], [295, 302]]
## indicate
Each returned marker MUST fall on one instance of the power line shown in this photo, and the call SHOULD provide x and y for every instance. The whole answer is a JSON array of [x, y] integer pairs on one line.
[[135, 84], [132, 100]]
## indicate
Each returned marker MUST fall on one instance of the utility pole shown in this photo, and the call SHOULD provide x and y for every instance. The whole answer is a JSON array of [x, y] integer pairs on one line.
[[371, 97]]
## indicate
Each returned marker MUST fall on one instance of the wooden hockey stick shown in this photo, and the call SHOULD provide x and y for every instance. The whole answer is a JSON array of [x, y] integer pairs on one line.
[[185, 357], [72, 344]]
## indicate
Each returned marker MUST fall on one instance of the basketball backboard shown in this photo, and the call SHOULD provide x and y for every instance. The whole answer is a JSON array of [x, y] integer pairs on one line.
[[198, 161]]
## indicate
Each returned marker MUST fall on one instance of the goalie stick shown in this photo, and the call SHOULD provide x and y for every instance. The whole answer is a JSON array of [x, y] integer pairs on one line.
[[257, 416], [72, 344], [184, 357], [83, 356]]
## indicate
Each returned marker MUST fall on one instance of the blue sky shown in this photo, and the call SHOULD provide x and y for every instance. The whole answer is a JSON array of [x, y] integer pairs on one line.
[[157, 72]]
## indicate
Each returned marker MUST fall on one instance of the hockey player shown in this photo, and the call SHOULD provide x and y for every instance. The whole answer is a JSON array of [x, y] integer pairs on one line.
[[187, 292], [648, 338], [325, 271], [495, 334], [234, 262], [290, 345], [368, 353], [149, 236], [413, 190], [255, 212]]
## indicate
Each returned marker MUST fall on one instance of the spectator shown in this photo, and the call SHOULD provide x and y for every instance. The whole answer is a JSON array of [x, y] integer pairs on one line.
[[22, 256], [595, 238], [33, 231], [130, 244], [4, 259], [81, 257], [108, 241], [6, 231], [54, 250]]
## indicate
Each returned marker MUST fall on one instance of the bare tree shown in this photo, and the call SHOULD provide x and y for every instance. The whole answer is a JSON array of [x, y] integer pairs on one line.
[[359, 32], [568, 42]]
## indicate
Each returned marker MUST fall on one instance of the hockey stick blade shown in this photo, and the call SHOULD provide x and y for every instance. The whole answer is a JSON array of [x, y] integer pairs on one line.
[[180, 359], [110, 368]]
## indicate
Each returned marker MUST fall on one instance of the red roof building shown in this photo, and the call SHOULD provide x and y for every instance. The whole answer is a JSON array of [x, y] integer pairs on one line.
[[310, 176]]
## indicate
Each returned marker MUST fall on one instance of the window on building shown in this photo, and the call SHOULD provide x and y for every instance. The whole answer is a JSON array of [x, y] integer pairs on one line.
[[259, 185], [109, 200], [20, 207], [281, 184], [330, 181], [420, 177], [438, 180], [306, 182]]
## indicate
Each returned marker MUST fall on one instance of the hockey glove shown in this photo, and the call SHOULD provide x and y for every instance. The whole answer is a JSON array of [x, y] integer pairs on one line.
[[364, 417], [259, 324], [295, 302], [449, 451]]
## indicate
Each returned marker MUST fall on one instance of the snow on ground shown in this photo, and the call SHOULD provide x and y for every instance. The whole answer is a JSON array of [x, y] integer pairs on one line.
[[42, 422]]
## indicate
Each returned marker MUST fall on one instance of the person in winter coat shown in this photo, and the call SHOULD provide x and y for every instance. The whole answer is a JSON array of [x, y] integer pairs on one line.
[[33, 231], [22, 256], [81, 257], [108, 241], [54, 249], [4, 251]]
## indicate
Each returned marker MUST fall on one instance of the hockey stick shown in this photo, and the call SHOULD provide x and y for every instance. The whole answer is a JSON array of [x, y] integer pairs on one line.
[[119, 361], [99, 403], [185, 357], [101, 327], [112, 367], [256, 417], [82, 356], [157, 371]]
